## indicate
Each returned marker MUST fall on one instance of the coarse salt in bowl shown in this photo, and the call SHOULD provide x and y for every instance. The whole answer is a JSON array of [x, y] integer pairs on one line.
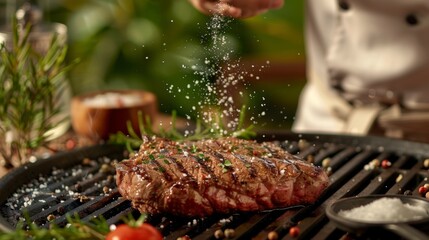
[[385, 210], [98, 114]]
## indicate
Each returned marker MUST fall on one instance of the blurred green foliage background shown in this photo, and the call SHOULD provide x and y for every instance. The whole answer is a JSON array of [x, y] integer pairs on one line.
[[144, 44]]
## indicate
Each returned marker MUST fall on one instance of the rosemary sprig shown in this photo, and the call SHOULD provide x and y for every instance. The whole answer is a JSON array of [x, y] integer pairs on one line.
[[76, 229], [212, 129], [30, 83]]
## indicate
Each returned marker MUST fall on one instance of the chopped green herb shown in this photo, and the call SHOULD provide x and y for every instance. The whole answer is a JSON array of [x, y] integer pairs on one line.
[[233, 148], [146, 161], [202, 157], [166, 161], [194, 148], [226, 165], [151, 157]]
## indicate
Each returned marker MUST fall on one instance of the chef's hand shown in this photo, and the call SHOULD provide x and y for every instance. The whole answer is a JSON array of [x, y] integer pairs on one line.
[[236, 8]]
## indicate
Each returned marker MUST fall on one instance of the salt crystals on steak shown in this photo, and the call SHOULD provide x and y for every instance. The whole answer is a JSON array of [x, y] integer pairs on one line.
[[198, 178]]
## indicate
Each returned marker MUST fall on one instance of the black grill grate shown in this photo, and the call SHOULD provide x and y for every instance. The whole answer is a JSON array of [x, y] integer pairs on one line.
[[87, 188]]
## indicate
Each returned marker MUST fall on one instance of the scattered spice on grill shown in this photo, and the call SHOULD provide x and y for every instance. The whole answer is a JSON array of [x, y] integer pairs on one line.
[[50, 217], [399, 178], [326, 163], [329, 171], [310, 158], [61, 210], [218, 234], [40, 187], [229, 233], [423, 190], [273, 235], [372, 165], [426, 163], [386, 164], [71, 144], [376, 211], [303, 144], [106, 189], [78, 187], [83, 198], [105, 168]]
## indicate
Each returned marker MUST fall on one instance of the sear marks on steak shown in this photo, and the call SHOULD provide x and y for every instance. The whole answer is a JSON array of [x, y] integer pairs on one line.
[[198, 178]]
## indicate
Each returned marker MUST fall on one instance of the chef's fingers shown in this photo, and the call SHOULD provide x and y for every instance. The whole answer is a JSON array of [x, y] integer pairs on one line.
[[236, 8], [251, 8], [253, 4], [225, 9], [211, 7]]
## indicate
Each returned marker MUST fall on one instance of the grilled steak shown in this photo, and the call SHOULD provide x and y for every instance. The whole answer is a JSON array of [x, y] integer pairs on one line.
[[198, 178]]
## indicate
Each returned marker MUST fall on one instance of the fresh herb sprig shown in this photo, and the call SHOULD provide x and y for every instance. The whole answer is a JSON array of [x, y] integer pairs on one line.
[[30, 83], [76, 229], [203, 130]]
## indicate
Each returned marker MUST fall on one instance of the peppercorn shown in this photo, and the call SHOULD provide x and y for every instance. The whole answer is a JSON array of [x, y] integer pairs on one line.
[[423, 191], [70, 144], [273, 235], [294, 231], [61, 210], [105, 168], [219, 234], [302, 144], [78, 187], [426, 163], [310, 158], [50, 217], [229, 233], [375, 163], [326, 162], [386, 164]]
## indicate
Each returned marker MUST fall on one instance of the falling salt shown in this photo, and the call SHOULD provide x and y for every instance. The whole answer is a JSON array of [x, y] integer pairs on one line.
[[386, 210]]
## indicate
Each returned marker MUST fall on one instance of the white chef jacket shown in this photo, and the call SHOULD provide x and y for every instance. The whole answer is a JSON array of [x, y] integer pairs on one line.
[[368, 62]]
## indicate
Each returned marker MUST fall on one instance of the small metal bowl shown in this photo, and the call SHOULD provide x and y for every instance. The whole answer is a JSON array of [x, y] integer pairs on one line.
[[407, 229]]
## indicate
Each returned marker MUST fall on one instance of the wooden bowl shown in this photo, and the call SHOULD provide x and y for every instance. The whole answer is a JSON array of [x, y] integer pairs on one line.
[[97, 115]]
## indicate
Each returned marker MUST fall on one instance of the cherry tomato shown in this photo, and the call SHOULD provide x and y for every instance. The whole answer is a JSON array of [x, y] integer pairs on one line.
[[142, 232]]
